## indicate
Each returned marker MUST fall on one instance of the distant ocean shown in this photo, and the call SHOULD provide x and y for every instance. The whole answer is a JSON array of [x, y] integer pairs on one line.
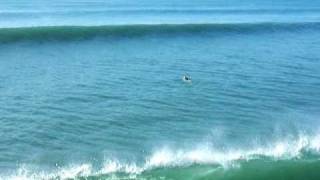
[[93, 90]]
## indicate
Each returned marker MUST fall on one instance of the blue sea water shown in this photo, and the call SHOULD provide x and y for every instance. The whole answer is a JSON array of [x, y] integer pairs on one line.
[[94, 90]]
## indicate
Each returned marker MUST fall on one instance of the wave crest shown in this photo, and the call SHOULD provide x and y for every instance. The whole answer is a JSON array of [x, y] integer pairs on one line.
[[67, 33], [171, 158]]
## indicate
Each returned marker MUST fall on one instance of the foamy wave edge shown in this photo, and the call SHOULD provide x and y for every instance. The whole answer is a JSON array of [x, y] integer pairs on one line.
[[166, 157]]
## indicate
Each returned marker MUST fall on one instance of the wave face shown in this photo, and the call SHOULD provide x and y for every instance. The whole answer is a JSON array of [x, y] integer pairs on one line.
[[67, 33], [295, 159]]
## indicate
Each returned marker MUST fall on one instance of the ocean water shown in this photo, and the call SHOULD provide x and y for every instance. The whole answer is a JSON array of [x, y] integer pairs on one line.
[[93, 90]]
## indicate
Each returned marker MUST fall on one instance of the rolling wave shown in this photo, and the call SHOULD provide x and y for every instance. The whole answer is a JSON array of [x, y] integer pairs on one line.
[[297, 159], [67, 33]]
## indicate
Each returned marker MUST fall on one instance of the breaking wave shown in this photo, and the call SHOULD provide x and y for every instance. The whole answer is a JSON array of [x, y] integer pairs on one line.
[[300, 153]]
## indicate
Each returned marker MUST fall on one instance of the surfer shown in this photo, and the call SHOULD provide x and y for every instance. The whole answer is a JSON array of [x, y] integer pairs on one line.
[[186, 78]]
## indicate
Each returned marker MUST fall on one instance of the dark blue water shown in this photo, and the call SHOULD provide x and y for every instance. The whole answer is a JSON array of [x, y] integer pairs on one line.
[[99, 93]]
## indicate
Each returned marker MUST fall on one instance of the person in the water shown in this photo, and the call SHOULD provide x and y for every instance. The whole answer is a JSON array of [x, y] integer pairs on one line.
[[186, 78]]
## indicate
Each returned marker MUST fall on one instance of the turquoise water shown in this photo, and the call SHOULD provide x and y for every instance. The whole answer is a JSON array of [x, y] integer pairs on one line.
[[93, 90]]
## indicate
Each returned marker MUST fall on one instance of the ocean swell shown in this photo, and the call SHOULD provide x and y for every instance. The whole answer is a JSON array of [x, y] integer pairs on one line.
[[67, 33]]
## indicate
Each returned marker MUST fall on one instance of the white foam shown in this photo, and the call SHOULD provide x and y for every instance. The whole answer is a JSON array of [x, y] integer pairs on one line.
[[76, 171], [285, 149], [112, 166], [315, 143], [25, 173]]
